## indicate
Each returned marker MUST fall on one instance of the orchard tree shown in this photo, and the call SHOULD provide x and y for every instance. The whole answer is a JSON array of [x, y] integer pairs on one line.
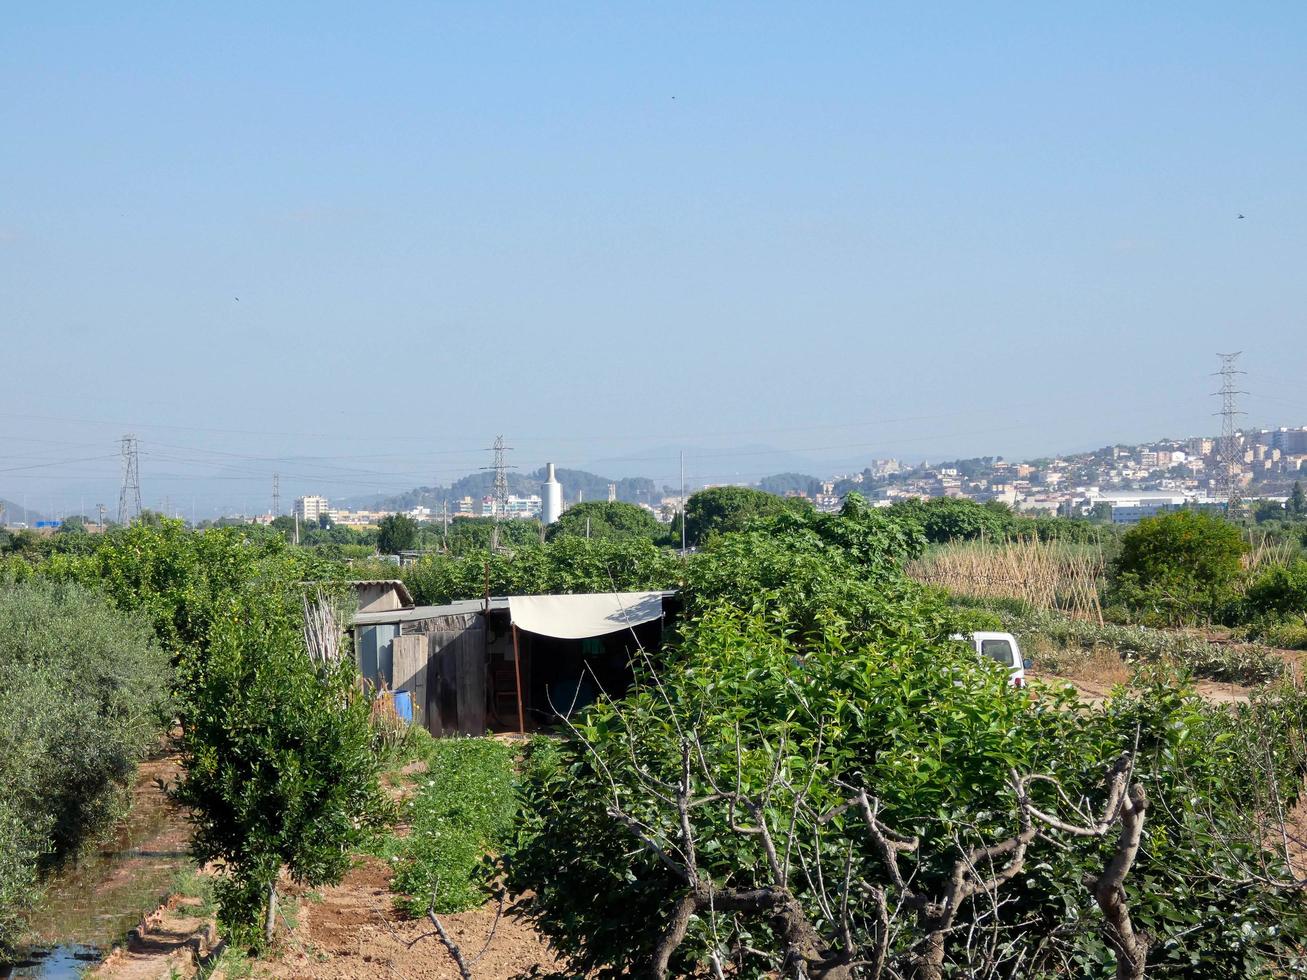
[[1179, 566], [396, 533], [719, 510], [605, 519], [277, 752]]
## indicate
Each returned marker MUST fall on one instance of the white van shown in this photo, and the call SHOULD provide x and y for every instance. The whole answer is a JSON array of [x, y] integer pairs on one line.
[[1003, 648]]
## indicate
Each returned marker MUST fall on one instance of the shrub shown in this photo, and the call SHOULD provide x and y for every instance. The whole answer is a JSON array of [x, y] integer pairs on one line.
[[1178, 567], [465, 810], [1279, 591], [83, 690]]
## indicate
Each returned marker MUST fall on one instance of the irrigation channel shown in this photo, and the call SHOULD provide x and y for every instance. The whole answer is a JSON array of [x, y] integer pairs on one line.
[[90, 906]]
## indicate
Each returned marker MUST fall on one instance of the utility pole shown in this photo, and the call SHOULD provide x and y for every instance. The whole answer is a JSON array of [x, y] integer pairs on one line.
[[100, 508], [276, 494], [499, 494], [1228, 454], [129, 497], [682, 501]]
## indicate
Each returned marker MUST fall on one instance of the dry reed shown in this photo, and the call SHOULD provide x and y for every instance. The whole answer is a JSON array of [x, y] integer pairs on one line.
[[1045, 574]]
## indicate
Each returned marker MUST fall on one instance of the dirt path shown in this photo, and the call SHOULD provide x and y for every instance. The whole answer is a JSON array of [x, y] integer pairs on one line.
[[347, 930], [353, 931]]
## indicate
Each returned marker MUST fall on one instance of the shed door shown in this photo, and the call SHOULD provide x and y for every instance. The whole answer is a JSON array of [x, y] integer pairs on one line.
[[456, 680], [375, 653], [410, 665]]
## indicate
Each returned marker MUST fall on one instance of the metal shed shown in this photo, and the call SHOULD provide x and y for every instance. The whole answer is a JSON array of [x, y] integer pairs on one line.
[[509, 663]]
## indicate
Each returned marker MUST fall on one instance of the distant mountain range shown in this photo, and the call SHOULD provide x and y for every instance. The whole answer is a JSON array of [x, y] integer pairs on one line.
[[12, 513]]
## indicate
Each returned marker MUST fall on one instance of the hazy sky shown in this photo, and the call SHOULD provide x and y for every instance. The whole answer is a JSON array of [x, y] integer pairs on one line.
[[354, 242]]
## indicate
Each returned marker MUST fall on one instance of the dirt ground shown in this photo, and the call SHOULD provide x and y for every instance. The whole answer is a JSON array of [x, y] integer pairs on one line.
[[348, 930], [353, 931]]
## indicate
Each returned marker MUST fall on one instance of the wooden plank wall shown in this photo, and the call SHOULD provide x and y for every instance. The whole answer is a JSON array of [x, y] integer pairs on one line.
[[410, 667], [456, 675]]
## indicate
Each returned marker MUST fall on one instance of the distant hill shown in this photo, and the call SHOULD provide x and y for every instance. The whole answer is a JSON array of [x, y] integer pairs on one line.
[[590, 486], [12, 513]]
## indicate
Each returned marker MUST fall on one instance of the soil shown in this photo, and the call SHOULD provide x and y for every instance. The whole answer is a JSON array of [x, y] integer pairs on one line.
[[353, 930]]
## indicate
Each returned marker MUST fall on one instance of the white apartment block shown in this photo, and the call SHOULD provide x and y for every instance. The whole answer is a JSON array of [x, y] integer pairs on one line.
[[310, 508]]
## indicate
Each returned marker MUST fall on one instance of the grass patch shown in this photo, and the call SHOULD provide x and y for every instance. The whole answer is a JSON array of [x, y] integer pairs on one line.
[[464, 811], [192, 883], [1036, 628]]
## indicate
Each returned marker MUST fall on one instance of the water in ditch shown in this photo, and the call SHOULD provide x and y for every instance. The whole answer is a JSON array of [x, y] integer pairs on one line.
[[90, 906]]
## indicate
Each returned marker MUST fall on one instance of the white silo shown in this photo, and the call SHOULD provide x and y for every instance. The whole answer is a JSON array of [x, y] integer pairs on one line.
[[552, 492]]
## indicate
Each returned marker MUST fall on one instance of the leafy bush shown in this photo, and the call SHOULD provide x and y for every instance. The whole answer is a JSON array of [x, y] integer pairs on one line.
[[464, 810], [1279, 591], [1178, 567], [83, 690]]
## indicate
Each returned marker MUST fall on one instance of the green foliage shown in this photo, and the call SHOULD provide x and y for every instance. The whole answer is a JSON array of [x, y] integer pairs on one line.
[[278, 755], [82, 692], [1279, 591], [720, 510], [944, 519], [933, 734], [565, 565], [814, 571], [396, 533], [180, 579], [606, 519], [1178, 567], [464, 811]]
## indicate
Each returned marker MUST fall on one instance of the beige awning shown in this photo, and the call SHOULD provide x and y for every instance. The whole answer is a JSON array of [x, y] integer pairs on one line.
[[575, 617]]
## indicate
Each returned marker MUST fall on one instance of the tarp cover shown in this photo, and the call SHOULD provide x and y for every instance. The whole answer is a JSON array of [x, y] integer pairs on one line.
[[574, 617]]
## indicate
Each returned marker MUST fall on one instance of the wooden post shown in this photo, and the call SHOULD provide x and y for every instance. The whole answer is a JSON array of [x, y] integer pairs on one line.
[[517, 676]]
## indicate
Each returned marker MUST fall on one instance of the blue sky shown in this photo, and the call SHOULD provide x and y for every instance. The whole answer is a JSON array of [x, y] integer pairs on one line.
[[352, 243]]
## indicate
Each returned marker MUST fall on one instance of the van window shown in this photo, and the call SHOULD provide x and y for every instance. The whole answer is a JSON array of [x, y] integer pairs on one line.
[[1000, 650]]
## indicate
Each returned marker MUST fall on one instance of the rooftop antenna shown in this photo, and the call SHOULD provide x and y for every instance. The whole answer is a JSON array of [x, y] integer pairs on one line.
[[1230, 459], [129, 497], [499, 494]]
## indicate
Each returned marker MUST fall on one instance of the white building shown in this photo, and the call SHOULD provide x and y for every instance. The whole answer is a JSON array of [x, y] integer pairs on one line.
[[310, 508]]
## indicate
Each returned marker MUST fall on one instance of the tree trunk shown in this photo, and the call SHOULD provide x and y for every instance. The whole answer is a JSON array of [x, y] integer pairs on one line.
[[270, 924]]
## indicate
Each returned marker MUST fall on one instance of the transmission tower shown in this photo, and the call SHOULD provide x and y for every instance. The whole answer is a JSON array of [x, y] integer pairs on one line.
[[499, 493], [129, 498], [1228, 454], [276, 494]]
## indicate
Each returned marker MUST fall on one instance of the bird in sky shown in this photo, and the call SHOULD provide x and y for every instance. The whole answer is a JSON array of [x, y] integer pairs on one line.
[[1241, 217]]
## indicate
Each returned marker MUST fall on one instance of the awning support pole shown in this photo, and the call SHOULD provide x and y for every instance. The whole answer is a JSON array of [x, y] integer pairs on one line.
[[517, 676]]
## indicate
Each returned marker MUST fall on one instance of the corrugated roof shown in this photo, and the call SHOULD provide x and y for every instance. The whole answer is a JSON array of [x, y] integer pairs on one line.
[[461, 608]]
